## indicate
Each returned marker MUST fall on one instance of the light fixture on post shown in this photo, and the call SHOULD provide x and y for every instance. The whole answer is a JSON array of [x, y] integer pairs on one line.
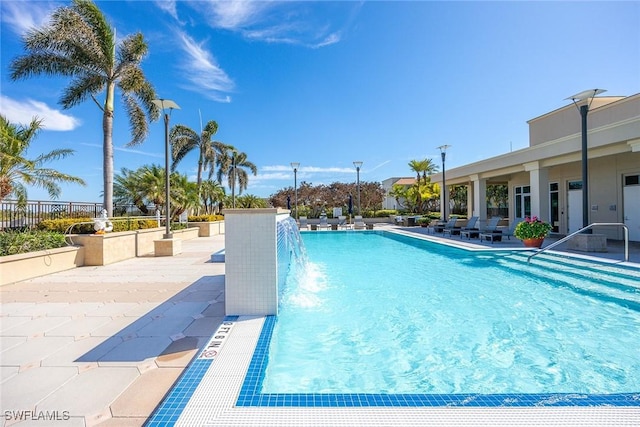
[[444, 198], [358, 165], [295, 166], [585, 98], [163, 105]]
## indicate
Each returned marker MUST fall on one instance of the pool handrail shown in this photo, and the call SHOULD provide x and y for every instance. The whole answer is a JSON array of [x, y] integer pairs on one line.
[[595, 224]]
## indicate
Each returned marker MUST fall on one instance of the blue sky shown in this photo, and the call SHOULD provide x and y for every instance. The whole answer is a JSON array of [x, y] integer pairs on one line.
[[328, 83]]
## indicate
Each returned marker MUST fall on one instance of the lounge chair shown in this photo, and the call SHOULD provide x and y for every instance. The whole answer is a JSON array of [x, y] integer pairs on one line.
[[450, 227], [323, 223], [508, 233], [358, 223], [470, 229], [303, 223], [342, 222], [491, 231]]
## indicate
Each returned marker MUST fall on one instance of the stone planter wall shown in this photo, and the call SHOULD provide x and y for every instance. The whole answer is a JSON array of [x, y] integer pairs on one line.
[[145, 238], [14, 268], [186, 234], [207, 229], [103, 249], [88, 249]]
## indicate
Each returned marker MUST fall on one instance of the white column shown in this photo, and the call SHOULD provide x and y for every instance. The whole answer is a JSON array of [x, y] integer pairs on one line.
[[539, 182], [479, 197]]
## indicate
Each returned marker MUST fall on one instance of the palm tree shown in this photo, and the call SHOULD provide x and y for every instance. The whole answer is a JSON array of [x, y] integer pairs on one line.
[[152, 184], [184, 195], [126, 189], [79, 43], [185, 139], [425, 167], [232, 166], [250, 201], [16, 171], [211, 194]]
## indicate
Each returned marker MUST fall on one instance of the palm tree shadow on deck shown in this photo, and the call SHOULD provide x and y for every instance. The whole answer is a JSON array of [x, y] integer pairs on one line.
[[183, 322]]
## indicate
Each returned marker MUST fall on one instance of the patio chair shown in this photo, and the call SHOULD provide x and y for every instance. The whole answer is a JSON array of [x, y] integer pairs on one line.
[[491, 231], [509, 232], [303, 223], [450, 228], [470, 229], [358, 223], [323, 223], [342, 222]]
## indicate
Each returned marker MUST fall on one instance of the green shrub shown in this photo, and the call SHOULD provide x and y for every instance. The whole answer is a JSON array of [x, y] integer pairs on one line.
[[62, 225], [120, 224], [12, 243], [205, 218], [383, 213]]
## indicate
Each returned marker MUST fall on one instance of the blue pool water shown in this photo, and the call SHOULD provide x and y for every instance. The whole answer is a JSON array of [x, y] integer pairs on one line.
[[377, 313]]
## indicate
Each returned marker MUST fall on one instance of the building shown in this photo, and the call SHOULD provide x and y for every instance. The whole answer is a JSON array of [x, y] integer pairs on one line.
[[389, 202], [545, 179]]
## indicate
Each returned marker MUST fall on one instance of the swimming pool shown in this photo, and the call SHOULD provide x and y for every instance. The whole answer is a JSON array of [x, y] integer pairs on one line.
[[224, 384], [403, 316]]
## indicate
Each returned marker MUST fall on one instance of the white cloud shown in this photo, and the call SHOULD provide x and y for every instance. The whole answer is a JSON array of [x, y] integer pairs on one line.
[[22, 16], [168, 6], [129, 150], [203, 72], [298, 23], [238, 13], [24, 111]]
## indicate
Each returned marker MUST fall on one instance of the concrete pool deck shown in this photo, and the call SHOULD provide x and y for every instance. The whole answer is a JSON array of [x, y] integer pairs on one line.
[[103, 345]]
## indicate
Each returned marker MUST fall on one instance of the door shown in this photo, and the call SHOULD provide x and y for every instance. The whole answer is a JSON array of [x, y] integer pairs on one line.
[[554, 206], [631, 209], [574, 206]]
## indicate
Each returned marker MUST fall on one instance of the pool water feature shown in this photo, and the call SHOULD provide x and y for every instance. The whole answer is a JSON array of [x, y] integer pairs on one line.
[[383, 314]]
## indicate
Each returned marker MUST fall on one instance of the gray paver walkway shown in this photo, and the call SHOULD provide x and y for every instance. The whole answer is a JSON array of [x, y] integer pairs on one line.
[[102, 345]]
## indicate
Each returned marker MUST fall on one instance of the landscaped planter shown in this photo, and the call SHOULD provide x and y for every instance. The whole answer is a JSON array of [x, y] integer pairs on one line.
[[207, 229], [187, 233], [88, 249], [14, 268], [103, 249]]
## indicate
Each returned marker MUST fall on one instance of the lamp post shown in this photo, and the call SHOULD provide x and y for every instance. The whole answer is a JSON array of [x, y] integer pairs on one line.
[[584, 96], [358, 165], [163, 105], [233, 182], [443, 153], [295, 167]]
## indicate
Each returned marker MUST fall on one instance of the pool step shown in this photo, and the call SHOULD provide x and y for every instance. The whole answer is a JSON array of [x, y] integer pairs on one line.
[[613, 284]]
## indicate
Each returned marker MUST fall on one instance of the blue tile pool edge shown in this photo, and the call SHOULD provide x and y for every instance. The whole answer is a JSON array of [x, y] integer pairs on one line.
[[171, 407], [250, 394]]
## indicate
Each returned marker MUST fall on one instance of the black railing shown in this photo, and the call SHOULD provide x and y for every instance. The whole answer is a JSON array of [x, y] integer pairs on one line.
[[14, 216]]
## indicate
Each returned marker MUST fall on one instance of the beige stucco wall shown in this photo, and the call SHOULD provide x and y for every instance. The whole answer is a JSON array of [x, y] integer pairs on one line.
[[103, 249], [15, 268]]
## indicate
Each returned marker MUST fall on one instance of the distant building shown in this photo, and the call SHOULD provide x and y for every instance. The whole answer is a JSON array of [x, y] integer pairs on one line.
[[545, 179], [390, 202]]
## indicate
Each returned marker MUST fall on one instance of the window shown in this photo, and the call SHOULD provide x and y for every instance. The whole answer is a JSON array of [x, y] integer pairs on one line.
[[523, 201]]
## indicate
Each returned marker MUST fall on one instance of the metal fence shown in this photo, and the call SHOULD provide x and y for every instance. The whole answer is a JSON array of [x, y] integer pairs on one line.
[[13, 216]]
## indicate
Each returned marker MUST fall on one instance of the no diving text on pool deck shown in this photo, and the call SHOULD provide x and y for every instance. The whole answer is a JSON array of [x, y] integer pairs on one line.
[[217, 341]]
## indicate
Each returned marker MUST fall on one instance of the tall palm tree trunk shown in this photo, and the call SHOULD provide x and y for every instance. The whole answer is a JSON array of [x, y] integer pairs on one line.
[[107, 150]]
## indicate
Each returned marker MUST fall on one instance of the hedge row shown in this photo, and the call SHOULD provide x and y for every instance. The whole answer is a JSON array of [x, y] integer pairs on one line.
[[20, 242], [205, 218], [85, 225]]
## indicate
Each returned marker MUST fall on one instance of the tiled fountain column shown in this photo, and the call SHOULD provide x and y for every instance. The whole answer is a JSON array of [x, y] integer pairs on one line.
[[251, 282]]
